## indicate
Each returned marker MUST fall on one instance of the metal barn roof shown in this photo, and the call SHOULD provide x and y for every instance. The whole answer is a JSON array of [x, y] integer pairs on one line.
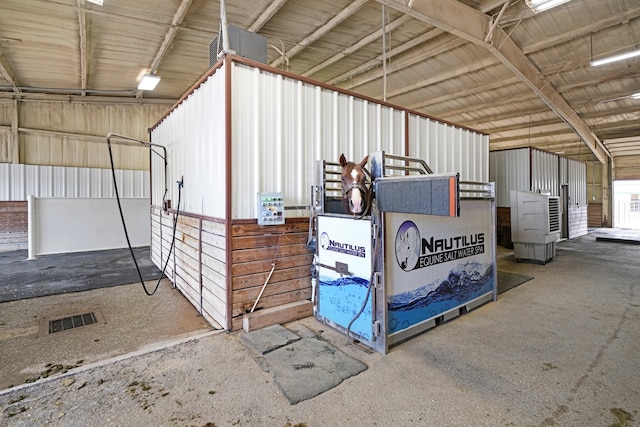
[[492, 65]]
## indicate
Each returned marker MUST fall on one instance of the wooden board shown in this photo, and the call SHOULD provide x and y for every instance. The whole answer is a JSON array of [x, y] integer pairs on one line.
[[277, 315]]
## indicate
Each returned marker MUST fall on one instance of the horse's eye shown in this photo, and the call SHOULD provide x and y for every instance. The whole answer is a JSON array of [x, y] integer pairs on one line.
[[344, 178]]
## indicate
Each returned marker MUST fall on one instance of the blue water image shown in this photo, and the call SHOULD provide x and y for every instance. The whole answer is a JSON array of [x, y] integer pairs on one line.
[[339, 300], [464, 284]]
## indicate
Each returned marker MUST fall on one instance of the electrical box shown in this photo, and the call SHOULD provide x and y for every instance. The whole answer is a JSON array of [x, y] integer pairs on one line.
[[270, 208]]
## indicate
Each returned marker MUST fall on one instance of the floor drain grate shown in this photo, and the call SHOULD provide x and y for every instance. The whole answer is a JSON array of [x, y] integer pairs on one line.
[[72, 322]]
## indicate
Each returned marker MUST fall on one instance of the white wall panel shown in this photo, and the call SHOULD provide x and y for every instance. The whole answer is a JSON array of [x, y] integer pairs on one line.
[[20, 181], [447, 148], [545, 172], [577, 179], [280, 126], [510, 170], [194, 135]]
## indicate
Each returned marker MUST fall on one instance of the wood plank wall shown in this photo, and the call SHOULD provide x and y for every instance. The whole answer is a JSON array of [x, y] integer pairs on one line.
[[255, 250], [594, 215], [13, 225], [197, 264]]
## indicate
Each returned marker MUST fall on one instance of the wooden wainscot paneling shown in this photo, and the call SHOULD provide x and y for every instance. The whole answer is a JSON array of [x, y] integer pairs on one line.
[[255, 251], [214, 271], [198, 257]]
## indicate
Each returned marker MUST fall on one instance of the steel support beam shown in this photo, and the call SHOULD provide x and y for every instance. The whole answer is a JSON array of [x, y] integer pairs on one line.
[[474, 26]]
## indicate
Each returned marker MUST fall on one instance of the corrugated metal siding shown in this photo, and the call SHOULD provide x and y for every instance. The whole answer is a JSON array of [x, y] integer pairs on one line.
[[282, 125], [510, 170], [544, 172], [194, 135], [577, 179], [447, 148], [20, 181], [74, 133]]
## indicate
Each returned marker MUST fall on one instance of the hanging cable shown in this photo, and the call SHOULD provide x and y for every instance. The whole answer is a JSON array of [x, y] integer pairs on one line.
[[124, 225]]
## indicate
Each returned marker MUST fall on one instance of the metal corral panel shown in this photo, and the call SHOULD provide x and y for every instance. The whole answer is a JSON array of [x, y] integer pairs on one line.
[[282, 125], [447, 148], [194, 135], [20, 181], [510, 170], [544, 172]]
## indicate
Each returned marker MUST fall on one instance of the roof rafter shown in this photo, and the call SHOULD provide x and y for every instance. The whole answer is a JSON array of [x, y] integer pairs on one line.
[[472, 25], [84, 45], [323, 30]]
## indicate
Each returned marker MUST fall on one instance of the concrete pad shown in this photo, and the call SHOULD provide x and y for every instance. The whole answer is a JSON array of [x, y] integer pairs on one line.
[[129, 321], [303, 365], [269, 339], [309, 367]]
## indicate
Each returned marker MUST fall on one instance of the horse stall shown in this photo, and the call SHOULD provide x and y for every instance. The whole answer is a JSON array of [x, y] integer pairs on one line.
[[232, 217]]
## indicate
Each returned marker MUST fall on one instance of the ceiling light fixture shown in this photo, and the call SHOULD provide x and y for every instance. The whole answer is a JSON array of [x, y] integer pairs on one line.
[[615, 58], [542, 5], [148, 82], [635, 95], [98, 2]]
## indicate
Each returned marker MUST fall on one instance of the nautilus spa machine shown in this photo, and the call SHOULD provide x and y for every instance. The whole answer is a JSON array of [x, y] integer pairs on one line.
[[424, 255]]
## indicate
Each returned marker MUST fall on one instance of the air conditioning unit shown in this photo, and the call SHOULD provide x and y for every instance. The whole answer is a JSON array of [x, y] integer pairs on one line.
[[242, 42], [535, 225]]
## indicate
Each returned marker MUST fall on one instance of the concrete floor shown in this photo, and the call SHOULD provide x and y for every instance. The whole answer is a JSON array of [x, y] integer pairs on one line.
[[561, 349]]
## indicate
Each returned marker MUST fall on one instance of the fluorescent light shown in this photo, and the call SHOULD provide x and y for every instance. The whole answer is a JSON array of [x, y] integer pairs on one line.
[[540, 5], [615, 58], [98, 2], [635, 95], [148, 82]]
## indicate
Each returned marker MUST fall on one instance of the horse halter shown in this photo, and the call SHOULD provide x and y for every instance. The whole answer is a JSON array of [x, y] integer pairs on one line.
[[366, 195]]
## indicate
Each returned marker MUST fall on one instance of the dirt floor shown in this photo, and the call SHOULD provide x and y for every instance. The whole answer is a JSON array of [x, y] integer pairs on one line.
[[560, 350]]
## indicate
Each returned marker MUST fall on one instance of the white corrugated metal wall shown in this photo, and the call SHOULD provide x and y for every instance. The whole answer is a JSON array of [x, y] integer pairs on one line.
[[447, 148], [510, 170], [282, 125], [577, 179], [194, 135], [545, 172], [18, 182]]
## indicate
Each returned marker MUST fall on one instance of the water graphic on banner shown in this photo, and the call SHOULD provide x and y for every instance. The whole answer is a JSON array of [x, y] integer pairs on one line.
[[463, 284], [441, 263], [341, 299], [344, 255]]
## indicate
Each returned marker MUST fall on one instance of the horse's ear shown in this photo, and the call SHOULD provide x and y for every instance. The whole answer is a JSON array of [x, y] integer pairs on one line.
[[343, 160], [364, 161]]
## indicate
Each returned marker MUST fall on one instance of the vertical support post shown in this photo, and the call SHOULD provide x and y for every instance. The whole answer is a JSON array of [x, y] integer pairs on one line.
[[31, 227]]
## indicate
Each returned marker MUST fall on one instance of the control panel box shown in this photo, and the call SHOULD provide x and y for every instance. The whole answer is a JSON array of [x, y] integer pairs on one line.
[[270, 208]]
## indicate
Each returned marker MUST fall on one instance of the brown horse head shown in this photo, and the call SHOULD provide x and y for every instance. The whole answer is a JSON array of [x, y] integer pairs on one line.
[[354, 186]]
